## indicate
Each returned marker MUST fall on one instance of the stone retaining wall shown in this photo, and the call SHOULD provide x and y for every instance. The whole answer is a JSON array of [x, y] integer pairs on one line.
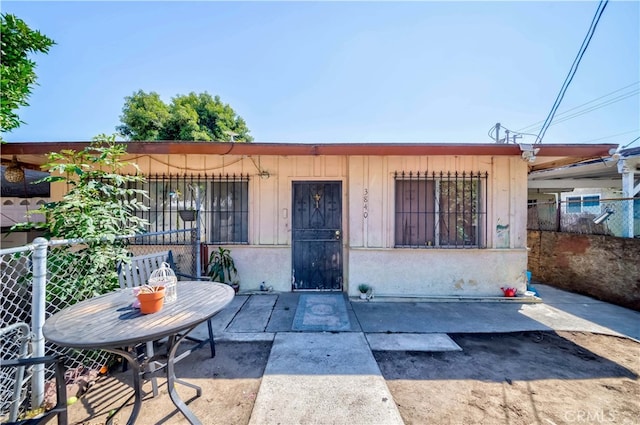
[[603, 267]]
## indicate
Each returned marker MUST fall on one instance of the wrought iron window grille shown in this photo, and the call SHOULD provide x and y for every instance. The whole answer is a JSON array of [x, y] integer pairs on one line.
[[440, 209], [220, 203]]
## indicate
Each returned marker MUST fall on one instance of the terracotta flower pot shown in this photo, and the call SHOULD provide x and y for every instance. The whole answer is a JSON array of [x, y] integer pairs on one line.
[[151, 302]]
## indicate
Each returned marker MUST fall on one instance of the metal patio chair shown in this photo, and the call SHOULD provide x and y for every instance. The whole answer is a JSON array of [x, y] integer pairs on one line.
[[14, 369]]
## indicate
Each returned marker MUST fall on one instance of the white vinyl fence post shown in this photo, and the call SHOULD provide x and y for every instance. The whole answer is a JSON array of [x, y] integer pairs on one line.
[[38, 316]]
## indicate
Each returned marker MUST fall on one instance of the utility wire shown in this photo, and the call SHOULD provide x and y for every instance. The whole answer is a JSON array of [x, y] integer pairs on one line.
[[599, 106], [593, 108], [631, 143], [574, 67], [602, 104], [611, 136]]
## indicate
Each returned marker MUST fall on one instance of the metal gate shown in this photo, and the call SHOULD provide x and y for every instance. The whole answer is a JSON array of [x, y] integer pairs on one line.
[[317, 236]]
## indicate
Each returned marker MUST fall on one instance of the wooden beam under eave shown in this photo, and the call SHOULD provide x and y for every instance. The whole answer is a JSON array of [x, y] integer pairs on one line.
[[559, 163], [575, 183]]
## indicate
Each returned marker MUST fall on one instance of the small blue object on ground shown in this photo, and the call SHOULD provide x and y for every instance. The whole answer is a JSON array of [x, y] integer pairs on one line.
[[529, 286]]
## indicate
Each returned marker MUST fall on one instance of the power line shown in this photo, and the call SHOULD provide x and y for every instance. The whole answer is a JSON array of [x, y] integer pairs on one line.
[[631, 143], [611, 136], [593, 108], [604, 103], [574, 67]]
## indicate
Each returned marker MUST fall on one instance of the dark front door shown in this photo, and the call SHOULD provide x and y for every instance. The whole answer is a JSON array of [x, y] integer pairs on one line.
[[317, 236]]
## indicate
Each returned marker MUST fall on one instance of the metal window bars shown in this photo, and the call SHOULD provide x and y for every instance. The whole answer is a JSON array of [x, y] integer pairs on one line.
[[440, 209], [218, 205]]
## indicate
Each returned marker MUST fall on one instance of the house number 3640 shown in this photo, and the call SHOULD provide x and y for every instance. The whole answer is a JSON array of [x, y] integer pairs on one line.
[[365, 203]]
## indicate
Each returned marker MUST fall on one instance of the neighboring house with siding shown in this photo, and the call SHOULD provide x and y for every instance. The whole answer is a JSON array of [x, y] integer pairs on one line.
[[408, 219], [17, 200], [586, 190]]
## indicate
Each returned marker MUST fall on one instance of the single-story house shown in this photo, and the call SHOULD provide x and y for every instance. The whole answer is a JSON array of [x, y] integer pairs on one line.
[[408, 219]]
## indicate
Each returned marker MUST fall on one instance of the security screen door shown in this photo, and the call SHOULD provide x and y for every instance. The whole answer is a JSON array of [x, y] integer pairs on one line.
[[317, 236]]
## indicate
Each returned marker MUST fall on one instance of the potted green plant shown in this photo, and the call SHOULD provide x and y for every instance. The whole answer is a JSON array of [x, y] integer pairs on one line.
[[364, 290], [222, 268]]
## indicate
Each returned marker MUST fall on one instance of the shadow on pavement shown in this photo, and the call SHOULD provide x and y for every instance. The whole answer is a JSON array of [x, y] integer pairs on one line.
[[522, 356]]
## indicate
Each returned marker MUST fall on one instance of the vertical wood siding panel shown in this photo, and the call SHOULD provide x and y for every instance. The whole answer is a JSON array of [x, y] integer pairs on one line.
[[356, 184], [513, 204], [303, 166], [334, 166], [196, 164], [286, 170], [501, 197], [485, 163], [318, 166], [157, 164], [272, 167], [266, 208], [376, 227], [437, 164], [519, 204]]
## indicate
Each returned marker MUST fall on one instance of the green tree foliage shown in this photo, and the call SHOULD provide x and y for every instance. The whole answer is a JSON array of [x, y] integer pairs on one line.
[[17, 71], [189, 117], [144, 116], [98, 207]]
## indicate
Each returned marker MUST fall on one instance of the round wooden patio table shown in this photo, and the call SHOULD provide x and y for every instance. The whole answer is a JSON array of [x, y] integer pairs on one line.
[[108, 322]]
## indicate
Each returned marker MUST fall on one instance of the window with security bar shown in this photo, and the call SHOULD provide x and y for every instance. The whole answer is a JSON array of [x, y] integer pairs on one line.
[[219, 202], [229, 211], [438, 209]]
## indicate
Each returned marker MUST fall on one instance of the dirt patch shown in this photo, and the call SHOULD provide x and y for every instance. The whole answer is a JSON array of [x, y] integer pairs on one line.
[[534, 377], [523, 378], [229, 382]]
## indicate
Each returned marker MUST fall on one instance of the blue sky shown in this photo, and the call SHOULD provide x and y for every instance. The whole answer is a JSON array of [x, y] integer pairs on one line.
[[340, 71]]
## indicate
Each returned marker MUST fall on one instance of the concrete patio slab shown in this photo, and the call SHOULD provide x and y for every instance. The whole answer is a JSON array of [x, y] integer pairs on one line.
[[244, 336], [309, 375], [610, 318], [412, 342], [283, 312], [254, 315], [453, 317], [221, 320]]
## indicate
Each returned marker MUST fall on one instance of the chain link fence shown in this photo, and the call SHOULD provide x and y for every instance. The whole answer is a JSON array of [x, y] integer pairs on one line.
[[613, 217], [32, 291]]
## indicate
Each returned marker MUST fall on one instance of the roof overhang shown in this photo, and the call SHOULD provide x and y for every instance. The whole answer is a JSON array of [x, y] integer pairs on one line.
[[599, 173], [546, 156]]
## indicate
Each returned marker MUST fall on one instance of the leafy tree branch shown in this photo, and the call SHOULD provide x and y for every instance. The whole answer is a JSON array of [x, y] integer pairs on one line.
[[17, 70], [98, 206]]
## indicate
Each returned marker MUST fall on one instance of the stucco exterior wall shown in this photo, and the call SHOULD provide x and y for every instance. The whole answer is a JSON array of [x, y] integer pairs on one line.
[[437, 272], [268, 264]]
